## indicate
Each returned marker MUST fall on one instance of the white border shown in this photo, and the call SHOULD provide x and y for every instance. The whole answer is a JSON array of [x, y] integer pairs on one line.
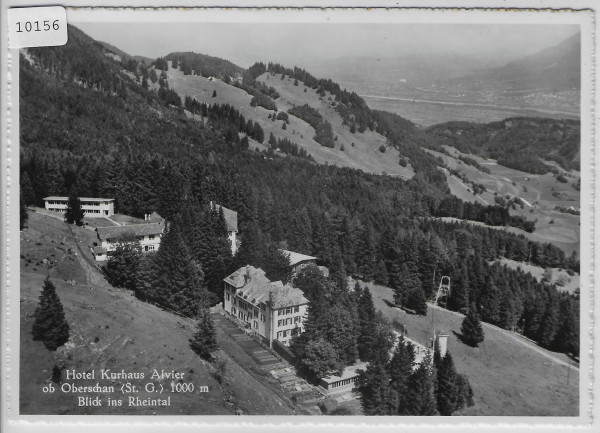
[[9, 219]]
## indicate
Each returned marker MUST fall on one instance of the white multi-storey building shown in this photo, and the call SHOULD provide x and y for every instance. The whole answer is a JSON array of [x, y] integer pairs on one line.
[[92, 207], [274, 310]]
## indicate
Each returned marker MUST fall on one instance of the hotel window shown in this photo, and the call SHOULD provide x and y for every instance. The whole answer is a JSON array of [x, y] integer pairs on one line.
[[262, 317], [288, 310], [279, 323], [150, 237], [255, 313], [227, 296], [279, 312], [255, 324], [296, 309], [284, 334]]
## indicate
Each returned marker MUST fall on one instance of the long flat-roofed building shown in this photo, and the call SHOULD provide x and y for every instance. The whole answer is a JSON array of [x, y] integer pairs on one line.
[[276, 311], [92, 207]]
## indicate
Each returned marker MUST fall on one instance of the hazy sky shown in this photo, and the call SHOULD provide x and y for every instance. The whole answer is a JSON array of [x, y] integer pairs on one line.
[[308, 44]]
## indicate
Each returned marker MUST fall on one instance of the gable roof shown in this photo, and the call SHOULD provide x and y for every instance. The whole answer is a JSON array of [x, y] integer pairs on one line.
[[296, 258], [231, 220], [256, 288], [105, 233]]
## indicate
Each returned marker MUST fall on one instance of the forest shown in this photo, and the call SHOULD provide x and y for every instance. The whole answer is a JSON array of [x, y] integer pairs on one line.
[[518, 143], [89, 129]]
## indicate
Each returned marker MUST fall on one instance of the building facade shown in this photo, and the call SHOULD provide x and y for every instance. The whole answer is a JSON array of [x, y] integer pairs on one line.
[[147, 234], [92, 207], [273, 310]]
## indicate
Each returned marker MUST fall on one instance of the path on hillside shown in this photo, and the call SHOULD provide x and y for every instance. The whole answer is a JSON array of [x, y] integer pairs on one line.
[[517, 337]]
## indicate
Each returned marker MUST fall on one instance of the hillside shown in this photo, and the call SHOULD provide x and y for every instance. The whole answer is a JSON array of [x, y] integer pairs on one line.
[[509, 374], [359, 151], [542, 195], [519, 143], [110, 328]]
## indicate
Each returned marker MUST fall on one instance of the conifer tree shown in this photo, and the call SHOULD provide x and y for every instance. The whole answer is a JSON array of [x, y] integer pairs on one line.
[[74, 212], [381, 274], [320, 358], [276, 264], [180, 280], [471, 330], [377, 395], [420, 398], [121, 268], [401, 366], [447, 390], [204, 340], [366, 317], [50, 325]]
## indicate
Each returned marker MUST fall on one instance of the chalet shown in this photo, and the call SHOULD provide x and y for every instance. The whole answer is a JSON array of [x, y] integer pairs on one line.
[[298, 261], [231, 223], [147, 234], [92, 207], [274, 310]]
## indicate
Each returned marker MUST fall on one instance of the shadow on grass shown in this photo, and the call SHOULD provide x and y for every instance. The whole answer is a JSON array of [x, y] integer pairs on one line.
[[463, 339]]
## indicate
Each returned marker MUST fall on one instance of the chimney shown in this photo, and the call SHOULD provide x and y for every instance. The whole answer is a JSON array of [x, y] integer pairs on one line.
[[247, 275], [443, 343]]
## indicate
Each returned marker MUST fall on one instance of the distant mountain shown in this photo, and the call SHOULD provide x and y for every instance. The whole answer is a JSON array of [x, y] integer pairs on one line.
[[553, 69]]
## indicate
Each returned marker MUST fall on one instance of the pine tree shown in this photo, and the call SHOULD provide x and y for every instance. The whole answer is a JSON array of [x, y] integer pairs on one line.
[[377, 395], [121, 268], [74, 213], [471, 330], [319, 358], [276, 264], [50, 325], [204, 341], [420, 398], [180, 281], [366, 317], [401, 366], [447, 391]]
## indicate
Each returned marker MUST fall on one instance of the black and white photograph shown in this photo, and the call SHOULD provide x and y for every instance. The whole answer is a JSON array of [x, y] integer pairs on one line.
[[326, 215]]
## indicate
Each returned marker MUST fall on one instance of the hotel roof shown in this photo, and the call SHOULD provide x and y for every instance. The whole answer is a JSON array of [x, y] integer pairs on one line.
[[80, 198], [254, 287], [129, 230]]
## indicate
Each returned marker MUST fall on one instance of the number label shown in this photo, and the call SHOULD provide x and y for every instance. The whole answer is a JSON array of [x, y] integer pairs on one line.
[[37, 27]]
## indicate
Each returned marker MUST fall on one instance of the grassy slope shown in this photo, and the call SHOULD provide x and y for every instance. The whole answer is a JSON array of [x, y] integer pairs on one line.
[[536, 271], [132, 335], [559, 228], [507, 377], [365, 154]]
